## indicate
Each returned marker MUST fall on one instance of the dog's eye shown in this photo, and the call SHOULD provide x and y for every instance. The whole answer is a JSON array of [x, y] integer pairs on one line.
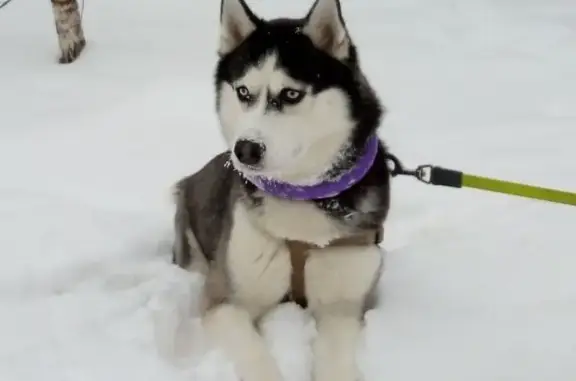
[[243, 94], [291, 96]]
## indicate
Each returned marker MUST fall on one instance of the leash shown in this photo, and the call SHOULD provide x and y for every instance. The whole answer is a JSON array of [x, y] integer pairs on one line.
[[434, 175]]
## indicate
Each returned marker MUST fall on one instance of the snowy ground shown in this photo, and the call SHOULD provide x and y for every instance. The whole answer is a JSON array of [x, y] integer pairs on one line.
[[479, 287]]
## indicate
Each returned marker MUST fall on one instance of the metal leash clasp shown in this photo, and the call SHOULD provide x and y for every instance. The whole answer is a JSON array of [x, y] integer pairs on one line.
[[422, 173]]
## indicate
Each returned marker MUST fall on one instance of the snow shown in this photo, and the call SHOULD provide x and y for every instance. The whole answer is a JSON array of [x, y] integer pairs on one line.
[[478, 286]]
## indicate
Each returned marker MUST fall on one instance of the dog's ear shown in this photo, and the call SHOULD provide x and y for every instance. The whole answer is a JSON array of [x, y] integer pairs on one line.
[[236, 23], [325, 27]]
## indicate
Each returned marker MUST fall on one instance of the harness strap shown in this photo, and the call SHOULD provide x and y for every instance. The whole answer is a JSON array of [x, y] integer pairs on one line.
[[299, 252]]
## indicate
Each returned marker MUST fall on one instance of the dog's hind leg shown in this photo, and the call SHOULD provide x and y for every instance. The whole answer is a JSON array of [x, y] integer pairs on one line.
[[338, 282], [186, 250]]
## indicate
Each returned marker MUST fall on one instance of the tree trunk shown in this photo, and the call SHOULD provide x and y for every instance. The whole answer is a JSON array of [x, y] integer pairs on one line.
[[69, 28]]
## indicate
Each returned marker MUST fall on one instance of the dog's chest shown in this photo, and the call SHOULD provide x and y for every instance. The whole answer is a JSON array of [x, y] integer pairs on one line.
[[263, 260], [296, 221], [258, 264]]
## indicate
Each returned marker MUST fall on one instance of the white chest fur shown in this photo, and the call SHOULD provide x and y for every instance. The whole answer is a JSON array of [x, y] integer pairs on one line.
[[299, 221], [258, 264]]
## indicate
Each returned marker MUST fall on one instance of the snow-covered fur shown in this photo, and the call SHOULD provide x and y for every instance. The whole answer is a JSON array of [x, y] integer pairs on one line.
[[294, 106]]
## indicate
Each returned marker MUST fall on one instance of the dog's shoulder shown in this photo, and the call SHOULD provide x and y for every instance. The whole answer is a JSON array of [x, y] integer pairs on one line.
[[215, 170]]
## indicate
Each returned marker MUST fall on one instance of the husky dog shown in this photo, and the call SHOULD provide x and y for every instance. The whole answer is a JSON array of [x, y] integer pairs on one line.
[[293, 210]]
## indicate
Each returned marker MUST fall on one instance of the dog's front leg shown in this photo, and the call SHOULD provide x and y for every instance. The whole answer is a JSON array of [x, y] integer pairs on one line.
[[258, 276], [338, 281], [232, 329]]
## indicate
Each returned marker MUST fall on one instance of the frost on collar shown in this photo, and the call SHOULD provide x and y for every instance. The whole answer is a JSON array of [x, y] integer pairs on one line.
[[325, 189]]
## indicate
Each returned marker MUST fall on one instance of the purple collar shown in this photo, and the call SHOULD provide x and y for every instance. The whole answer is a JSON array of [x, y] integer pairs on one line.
[[325, 189]]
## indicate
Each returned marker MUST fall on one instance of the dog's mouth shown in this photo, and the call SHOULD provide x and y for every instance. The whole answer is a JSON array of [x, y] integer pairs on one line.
[[284, 173], [247, 169], [251, 173]]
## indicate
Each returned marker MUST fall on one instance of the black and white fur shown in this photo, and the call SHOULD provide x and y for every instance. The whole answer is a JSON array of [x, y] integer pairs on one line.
[[293, 105]]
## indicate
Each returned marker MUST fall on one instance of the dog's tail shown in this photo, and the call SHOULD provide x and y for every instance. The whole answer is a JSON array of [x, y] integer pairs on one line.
[[186, 251]]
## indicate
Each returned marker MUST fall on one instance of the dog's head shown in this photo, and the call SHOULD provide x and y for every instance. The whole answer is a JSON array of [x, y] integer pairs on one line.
[[291, 98]]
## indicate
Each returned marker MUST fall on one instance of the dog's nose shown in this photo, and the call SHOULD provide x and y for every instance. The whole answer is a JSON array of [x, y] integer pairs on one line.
[[249, 152]]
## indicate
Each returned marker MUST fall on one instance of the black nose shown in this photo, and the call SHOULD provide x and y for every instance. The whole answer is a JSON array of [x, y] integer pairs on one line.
[[249, 152]]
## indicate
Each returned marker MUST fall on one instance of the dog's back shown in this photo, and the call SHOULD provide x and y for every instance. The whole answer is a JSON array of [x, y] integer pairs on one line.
[[202, 219]]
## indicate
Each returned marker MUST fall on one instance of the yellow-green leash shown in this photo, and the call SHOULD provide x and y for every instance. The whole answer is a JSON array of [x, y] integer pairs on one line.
[[434, 175]]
